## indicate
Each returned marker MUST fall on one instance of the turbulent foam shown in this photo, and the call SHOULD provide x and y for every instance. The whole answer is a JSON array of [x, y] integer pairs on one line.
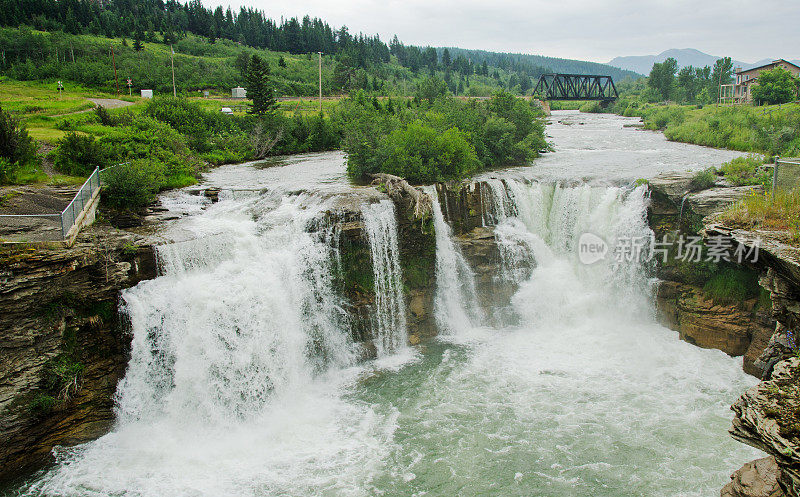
[[242, 380]]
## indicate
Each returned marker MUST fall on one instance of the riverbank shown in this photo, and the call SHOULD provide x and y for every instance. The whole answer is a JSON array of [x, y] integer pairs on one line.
[[769, 129]]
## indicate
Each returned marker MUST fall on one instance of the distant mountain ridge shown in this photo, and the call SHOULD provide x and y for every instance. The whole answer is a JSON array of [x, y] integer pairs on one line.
[[642, 64]]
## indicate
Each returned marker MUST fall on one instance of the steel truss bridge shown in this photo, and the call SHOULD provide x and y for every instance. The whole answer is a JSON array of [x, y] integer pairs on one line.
[[576, 87]]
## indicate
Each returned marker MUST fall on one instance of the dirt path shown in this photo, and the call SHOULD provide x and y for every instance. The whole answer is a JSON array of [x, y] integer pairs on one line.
[[108, 103]]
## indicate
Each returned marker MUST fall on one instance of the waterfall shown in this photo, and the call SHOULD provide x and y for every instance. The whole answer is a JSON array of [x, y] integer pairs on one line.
[[456, 299], [380, 224], [236, 317], [538, 238], [239, 351]]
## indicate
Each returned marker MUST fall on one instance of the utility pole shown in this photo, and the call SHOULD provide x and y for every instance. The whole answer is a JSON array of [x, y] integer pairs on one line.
[[114, 63], [172, 60], [320, 81]]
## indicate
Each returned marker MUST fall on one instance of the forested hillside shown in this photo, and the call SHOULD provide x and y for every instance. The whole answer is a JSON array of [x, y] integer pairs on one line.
[[72, 39], [535, 65]]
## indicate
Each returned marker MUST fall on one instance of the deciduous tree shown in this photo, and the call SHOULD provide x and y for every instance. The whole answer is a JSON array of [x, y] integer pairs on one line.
[[776, 86]]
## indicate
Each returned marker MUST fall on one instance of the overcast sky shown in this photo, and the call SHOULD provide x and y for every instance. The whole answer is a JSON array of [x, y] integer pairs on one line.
[[596, 30]]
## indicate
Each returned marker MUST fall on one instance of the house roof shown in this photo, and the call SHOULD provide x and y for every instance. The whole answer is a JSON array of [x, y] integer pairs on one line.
[[774, 62]]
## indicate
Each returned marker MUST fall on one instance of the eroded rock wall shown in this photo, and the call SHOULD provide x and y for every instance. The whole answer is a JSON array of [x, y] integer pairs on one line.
[[62, 345]]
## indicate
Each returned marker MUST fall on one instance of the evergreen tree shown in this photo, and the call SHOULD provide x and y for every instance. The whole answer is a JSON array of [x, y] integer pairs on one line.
[[71, 22], [137, 40], [446, 58], [281, 61], [259, 88], [241, 62]]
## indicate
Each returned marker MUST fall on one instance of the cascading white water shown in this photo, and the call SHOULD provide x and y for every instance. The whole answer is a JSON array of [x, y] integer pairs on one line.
[[586, 395], [456, 304], [239, 381], [236, 366], [380, 224]]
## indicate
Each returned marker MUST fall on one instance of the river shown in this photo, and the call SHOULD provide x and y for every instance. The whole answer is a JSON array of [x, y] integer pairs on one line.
[[242, 381]]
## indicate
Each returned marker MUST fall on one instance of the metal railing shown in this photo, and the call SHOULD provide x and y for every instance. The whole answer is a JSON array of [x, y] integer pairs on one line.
[[84, 195], [67, 217]]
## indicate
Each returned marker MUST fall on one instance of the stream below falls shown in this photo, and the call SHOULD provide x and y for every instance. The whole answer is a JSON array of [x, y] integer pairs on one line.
[[243, 380]]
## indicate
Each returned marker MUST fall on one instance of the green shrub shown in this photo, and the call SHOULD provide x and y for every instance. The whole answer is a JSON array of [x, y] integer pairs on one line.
[[104, 117], [703, 180], [41, 404], [421, 154], [409, 141], [743, 171], [732, 285], [79, 154], [62, 376], [150, 140], [591, 107], [17, 148], [132, 185], [7, 170]]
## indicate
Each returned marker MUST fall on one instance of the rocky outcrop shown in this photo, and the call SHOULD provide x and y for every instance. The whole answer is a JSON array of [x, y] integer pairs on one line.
[[757, 478], [673, 192], [767, 417], [62, 344], [737, 329]]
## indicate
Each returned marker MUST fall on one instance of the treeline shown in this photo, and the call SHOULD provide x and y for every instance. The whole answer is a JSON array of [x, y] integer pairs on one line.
[[168, 21], [536, 65], [692, 85], [361, 60], [30, 55]]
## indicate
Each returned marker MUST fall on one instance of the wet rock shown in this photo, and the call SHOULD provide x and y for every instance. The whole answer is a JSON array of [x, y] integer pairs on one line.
[[758, 478], [59, 304], [736, 329], [778, 349], [766, 417]]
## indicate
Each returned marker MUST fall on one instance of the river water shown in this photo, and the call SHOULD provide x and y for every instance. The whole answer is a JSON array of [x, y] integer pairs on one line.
[[242, 380]]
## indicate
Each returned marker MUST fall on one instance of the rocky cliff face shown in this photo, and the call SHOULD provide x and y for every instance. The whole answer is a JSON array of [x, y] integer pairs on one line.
[[62, 345], [768, 415], [741, 327]]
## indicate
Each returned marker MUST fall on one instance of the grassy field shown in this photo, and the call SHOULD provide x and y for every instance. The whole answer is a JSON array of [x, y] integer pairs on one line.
[[44, 111]]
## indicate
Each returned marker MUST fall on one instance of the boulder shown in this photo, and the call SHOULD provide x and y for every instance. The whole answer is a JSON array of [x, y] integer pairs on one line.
[[715, 200], [757, 478]]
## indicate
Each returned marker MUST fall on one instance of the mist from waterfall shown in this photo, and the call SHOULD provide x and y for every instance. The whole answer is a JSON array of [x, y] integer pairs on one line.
[[240, 350]]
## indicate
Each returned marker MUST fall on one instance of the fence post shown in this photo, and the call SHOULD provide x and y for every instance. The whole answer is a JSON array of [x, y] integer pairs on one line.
[[775, 176]]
